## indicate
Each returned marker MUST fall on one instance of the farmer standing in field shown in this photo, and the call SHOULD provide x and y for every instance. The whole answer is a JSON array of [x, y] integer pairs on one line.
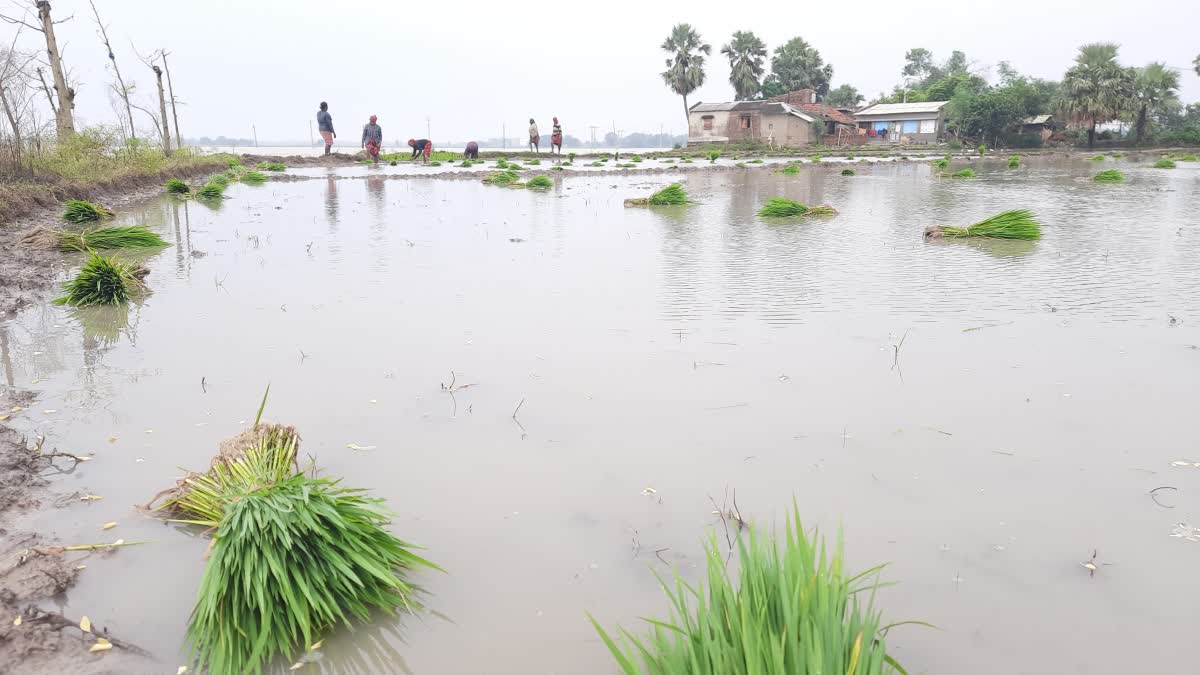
[[423, 147], [556, 137], [533, 135], [372, 139], [325, 126]]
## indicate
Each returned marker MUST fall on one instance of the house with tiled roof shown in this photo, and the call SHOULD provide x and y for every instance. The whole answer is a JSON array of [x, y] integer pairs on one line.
[[793, 120]]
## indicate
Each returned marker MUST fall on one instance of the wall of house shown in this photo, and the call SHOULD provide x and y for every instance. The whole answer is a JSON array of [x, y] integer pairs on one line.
[[869, 121], [786, 130], [696, 128]]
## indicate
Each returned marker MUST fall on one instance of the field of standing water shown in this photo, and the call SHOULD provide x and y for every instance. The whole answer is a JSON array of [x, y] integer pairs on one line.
[[982, 415]]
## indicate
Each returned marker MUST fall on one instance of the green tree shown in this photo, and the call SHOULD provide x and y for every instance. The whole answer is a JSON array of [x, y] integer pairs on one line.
[[1155, 94], [797, 65], [685, 67], [1096, 88], [746, 54], [844, 96], [956, 64], [984, 116], [918, 62]]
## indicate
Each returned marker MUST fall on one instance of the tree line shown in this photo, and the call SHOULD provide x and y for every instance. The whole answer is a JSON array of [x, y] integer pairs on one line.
[[1095, 89]]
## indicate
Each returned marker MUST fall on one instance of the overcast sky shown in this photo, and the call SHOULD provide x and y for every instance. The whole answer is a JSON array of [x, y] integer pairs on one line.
[[473, 66]]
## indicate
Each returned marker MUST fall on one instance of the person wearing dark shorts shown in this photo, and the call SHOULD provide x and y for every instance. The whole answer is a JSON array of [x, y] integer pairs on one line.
[[423, 147], [472, 151]]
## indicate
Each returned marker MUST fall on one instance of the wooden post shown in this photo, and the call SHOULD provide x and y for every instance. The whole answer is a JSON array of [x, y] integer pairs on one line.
[[162, 110]]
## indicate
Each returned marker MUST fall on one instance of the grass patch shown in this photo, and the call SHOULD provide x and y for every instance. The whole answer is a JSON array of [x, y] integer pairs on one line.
[[740, 165], [253, 178], [177, 187], [82, 211], [1096, 158], [211, 190], [1163, 164], [848, 172], [755, 161], [779, 207], [539, 183], [964, 173], [792, 608], [1014, 224], [815, 159], [272, 166], [505, 177], [790, 169], [1109, 176], [1183, 158], [219, 179], [533, 162], [672, 195], [132, 236], [102, 281], [1014, 161]]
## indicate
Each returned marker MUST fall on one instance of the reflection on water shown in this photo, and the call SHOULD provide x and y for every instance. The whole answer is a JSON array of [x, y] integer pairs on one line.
[[1044, 391]]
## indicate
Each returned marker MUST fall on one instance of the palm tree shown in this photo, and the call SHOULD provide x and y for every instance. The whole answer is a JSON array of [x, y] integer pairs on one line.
[[746, 53], [1154, 90], [1096, 89], [685, 68]]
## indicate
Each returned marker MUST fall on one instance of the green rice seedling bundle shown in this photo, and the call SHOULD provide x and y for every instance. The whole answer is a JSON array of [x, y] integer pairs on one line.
[[505, 177], [947, 157], [177, 187], [272, 166], [235, 172], [1164, 164], [435, 163], [219, 179], [849, 157], [790, 169], [513, 166], [779, 207], [740, 165], [1014, 161], [941, 164], [964, 173], [557, 168], [686, 160], [755, 161], [672, 195], [211, 190], [792, 608], [1014, 224], [1096, 158], [102, 281], [713, 155], [253, 178], [982, 149], [290, 561], [1183, 158], [83, 211], [533, 162], [636, 159], [848, 172], [502, 163], [816, 159], [539, 183], [571, 156], [626, 166], [232, 161], [667, 161], [393, 163], [130, 236], [1109, 176]]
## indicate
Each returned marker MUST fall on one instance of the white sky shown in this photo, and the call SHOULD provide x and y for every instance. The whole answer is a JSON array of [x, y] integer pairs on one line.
[[471, 66]]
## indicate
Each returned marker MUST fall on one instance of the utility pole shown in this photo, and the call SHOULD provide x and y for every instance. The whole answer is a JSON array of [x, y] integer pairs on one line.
[[660, 134], [593, 129], [310, 136], [503, 136], [254, 129], [428, 135]]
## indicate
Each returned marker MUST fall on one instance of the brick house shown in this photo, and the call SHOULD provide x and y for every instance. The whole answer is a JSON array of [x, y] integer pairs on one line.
[[790, 121]]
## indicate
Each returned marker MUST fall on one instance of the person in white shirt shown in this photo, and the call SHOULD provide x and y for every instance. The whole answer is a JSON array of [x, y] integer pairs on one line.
[[533, 135]]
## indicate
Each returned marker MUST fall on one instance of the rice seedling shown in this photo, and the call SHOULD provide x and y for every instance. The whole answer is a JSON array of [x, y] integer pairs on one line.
[[713, 156], [964, 173], [790, 169], [1164, 164], [1014, 161], [1096, 158], [539, 183], [502, 163], [177, 187], [672, 195], [1109, 176], [667, 161], [941, 164], [505, 177], [792, 608], [393, 163], [740, 165], [947, 157], [272, 166], [232, 160], [1183, 158], [636, 159], [83, 211], [596, 164], [557, 168], [780, 207], [982, 149], [435, 163], [571, 157], [686, 160], [755, 161], [131, 236], [254, 178], [1013, 224], [533, 162], [211, 190], [848, 172], [513, 166], [626, 166], [816, 159], [102, 281], [219, 179]]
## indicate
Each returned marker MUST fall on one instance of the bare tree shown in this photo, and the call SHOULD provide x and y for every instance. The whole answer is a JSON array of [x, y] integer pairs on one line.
[[165, 127], [64, 111], [121, 89], [171, 92]]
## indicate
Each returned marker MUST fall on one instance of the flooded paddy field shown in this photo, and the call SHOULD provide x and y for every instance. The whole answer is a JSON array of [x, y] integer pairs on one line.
[[982, 415]]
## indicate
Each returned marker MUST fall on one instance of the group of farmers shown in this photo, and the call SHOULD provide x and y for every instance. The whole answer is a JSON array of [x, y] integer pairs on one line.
[[372, 138]]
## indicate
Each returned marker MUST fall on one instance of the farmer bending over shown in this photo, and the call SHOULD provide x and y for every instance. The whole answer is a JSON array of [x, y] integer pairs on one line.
[[372, 139], [423, 147], [472, 151]]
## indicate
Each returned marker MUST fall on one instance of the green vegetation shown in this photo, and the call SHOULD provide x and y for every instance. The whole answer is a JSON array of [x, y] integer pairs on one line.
[[755, 161], [982, 149], [746, 53], [533, 162], [1097, 158], [219, 179], [941, 164], [1014, 224], [667, 161], [713, 155], [1109, 176], [505, 177], [686, 160], [539, 183], [596, 164], [1163, 164], [672, 195], [571, 157], [636, 159], [848, 172], [102, 281], [435, 163], [131, 236], [557, 168], [779, 207], [1181, 157], [272, 166], [82, 211], [793, 608], [964, 173], [626, 166], [253, 178], [816, 159], [740, 165], [177, 187], [502, 163], [790, 169], [211, 190], [1014, 161]]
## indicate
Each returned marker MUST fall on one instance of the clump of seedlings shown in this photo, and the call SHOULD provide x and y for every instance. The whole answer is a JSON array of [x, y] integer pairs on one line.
[[667, 161], [83, 211], [626, 166], [982, 149], [964, 173], [1096, 158], [686, 160], [848, 172], [940, 164], [571, 156], [672, 195], [533, 162], [219, 179], [596, 164], [790, 169], [211, 190], [636, 159], [1164, 164], [1183, 158], [177, 187], [539, 183], [253, 178], [713, 156], [435, 163], [506, 177], [787, 605], [1014, 161], [557, 168], [755, 161], [1014, 224], [740, 165], [780, 207], [103, 281], [1109, 176], [815, 159], [272, 166], [131, 236]]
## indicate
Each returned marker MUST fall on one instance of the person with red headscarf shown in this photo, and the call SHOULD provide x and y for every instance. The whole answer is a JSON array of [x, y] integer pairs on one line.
[[556, 137], [372, 139], [423, 147]]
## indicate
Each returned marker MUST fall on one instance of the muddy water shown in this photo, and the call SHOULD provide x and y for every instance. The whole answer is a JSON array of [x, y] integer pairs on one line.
[[1040, 390]]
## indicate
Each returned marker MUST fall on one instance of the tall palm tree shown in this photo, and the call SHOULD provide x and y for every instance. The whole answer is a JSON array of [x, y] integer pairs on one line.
[[1096, 88], [685, 68], [746, 53], [1155, 89]]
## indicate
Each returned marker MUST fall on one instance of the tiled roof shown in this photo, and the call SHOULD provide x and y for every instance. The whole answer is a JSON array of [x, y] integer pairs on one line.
[[832, 114]]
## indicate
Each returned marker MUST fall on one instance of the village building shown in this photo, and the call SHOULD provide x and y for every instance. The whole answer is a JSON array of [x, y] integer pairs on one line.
[[1040, 125], [906, 123], [792, 120]]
